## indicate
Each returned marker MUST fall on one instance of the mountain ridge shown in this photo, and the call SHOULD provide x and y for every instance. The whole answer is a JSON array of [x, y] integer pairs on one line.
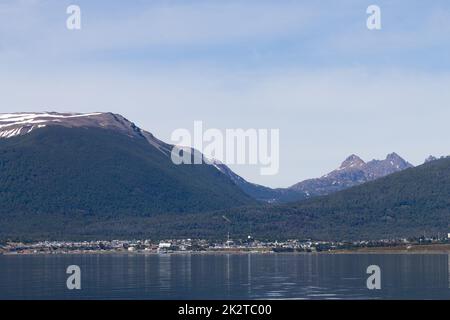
[[101, 176], [401, 205], [21, 123], [352, 171], [97, 170]]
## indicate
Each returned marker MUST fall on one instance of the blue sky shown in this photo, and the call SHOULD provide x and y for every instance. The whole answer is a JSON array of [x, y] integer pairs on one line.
[[310, 68]]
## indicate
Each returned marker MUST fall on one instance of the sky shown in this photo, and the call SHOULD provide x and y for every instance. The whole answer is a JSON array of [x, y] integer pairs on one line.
[[311, 69]]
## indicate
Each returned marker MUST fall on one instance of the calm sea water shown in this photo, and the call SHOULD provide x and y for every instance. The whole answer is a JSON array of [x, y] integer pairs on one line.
[[225, 276]]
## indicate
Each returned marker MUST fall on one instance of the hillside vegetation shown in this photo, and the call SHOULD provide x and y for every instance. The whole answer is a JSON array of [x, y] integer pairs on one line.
[[98, 172], [110, 187]]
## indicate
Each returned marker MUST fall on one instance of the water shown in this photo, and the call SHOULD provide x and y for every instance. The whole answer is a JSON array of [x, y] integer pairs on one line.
[[225, 276]]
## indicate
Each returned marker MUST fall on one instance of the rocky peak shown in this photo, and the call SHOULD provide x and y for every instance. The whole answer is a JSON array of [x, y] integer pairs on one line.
[[398, 162], [353, 161], [353, 171]]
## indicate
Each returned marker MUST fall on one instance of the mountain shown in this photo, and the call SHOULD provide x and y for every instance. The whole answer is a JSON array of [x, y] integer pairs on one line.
[[100, 164], [259, 192], [404, 204], [99, 176], [353, 171]]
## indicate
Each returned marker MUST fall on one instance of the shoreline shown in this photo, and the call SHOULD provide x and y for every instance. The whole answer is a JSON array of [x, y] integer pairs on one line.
[[403, 249]]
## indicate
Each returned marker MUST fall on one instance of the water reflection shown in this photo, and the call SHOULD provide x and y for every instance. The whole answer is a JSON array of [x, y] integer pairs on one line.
[[228, 276]]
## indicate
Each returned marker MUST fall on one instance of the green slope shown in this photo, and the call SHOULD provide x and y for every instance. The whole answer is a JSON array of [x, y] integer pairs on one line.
[[400, 205], [93, 171]]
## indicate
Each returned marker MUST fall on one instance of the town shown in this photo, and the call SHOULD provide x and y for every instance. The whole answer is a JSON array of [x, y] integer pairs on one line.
[[248, 245]]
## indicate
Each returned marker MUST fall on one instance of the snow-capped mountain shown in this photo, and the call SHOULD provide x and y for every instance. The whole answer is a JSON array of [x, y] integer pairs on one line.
[[100, 163], [353, 171], [16, 124]]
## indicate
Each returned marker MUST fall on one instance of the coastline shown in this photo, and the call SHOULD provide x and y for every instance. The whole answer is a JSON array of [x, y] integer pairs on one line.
[[402, 249]]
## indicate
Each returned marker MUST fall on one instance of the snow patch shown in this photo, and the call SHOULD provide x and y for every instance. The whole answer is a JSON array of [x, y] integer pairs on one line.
[[13, 124]]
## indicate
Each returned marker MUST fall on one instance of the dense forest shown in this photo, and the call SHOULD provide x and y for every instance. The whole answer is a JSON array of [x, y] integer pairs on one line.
[[98, 172], [407, 203]]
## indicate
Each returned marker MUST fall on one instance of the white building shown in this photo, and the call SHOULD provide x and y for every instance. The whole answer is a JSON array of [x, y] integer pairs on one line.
[[165, 245]]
